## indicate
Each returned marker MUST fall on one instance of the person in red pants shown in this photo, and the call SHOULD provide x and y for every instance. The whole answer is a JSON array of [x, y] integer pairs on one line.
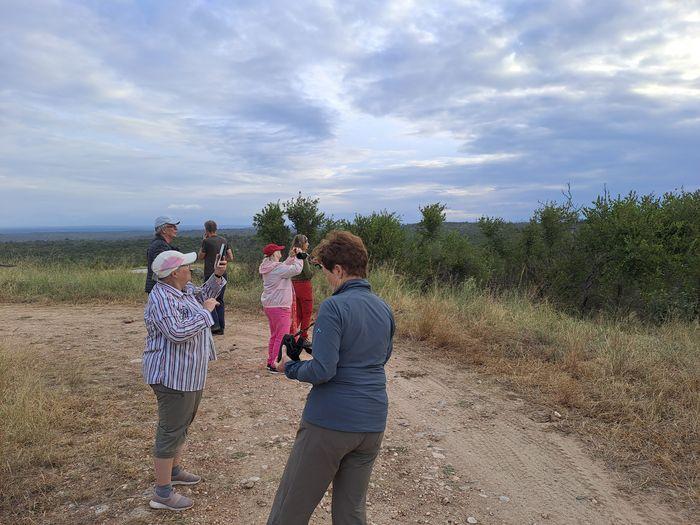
[[303, 293]]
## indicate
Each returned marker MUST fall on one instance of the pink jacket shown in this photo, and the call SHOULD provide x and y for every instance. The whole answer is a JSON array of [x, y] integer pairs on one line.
[[277, 283]]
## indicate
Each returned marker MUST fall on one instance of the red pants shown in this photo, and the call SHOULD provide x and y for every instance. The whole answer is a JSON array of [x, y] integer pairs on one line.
[[304, 296]]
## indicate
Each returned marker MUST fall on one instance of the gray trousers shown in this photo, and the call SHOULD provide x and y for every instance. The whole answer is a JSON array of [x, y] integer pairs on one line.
[[321, 456]]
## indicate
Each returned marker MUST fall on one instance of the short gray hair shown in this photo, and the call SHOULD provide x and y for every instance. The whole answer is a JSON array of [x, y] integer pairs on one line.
[[160, 228]]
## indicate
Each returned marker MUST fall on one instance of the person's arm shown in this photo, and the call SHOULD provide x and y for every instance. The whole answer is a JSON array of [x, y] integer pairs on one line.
[[210, 289], [176, 329], [202, 251], [391, 337], [289, 268], [327, 334]]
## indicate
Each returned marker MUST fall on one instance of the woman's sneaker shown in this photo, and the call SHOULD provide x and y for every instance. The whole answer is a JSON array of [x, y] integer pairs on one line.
[[272, 369], [185, 478], [175, 501]]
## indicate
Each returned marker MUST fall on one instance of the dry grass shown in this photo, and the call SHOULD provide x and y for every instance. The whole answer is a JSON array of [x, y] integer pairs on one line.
[[633, 391], [63, 442]]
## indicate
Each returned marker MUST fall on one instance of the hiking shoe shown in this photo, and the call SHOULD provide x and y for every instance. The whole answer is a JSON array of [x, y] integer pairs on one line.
[[272, 369], [175, 501], [185, 478]]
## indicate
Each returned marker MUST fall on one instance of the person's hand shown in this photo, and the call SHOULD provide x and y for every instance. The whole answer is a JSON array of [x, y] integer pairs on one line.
[[221, 267], [210, 304], [281, 364], [296, 250]]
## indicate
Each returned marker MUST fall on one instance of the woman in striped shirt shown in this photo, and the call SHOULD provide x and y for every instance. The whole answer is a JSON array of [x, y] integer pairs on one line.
[[179, 346]]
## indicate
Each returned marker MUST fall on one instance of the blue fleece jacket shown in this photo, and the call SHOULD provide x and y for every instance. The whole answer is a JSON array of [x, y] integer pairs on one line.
[[352, 342]]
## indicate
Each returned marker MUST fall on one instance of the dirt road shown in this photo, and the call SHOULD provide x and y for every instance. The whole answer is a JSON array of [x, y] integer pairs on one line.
[[456, 445]]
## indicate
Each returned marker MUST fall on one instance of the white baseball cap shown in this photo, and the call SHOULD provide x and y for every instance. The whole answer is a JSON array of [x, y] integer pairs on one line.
[[170, 260]]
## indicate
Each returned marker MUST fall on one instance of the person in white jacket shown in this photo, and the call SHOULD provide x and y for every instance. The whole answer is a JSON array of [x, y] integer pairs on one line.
[[277, 295]]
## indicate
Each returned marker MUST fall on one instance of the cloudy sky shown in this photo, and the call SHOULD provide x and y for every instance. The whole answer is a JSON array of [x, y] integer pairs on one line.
[[114, 112]]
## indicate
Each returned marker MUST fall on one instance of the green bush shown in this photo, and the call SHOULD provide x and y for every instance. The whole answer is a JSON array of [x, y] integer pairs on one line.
[[382, 234], [642, 254]]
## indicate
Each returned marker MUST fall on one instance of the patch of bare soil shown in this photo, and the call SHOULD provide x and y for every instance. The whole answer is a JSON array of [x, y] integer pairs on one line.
[[456, 446]]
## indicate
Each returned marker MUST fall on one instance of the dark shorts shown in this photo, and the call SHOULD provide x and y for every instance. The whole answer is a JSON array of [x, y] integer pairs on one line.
[[176, 411]]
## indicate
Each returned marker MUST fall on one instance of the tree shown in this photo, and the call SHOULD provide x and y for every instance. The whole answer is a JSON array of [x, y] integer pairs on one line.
[[304, 215], [382, 234], [331, 223], [430, 224], [500, 244], [493, 228], [546, 255], [269, 224]]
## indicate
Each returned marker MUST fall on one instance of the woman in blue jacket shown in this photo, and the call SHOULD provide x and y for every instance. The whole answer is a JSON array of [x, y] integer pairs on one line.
[[343, 423]]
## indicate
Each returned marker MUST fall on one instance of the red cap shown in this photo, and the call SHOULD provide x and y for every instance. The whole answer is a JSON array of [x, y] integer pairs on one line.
[[272, 248]]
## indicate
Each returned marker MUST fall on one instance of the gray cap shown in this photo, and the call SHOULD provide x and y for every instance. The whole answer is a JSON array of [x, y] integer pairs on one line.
[[163, 219]]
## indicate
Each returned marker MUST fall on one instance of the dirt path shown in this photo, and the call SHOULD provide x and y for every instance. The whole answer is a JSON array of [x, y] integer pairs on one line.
[[456, 446]]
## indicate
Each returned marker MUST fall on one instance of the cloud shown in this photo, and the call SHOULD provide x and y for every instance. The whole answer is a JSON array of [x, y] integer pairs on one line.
[[184, 207], [116, 110]]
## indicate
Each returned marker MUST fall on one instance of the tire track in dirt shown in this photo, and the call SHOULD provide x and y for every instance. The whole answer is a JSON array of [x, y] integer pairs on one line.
[[490, 440]]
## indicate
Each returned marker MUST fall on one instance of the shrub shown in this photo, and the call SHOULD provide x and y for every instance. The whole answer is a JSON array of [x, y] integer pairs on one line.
[[382, 234]]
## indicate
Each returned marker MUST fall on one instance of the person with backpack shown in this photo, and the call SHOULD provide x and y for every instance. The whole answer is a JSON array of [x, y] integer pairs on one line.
[[277, 295]]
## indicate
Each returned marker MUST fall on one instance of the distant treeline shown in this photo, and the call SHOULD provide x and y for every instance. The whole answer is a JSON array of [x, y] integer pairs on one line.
[[107, 253]]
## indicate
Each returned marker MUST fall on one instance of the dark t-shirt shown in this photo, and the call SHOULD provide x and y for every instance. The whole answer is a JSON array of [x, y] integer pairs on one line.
[[157, 246], [211, 247]]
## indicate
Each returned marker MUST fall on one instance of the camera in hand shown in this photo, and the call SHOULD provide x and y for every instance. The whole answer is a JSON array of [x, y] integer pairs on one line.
[[302, 255], [290, 347], [293, 345]]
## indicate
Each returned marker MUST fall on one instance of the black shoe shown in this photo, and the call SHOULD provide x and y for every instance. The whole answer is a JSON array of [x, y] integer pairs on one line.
[[220, 331], [272, 369]]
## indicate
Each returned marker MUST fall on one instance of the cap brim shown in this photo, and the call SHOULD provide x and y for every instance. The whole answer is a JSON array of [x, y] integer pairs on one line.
[[190, 258]]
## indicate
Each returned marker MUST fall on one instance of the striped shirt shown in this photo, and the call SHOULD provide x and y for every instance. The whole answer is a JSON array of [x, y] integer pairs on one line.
[[179, 344]]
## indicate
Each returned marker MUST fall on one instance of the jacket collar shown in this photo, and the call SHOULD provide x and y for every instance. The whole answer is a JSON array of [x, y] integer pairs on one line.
[[353, 283], [159, 236], [171, 289]]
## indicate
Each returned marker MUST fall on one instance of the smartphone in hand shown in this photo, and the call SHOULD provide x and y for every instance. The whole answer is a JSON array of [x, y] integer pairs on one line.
[[220, 255]]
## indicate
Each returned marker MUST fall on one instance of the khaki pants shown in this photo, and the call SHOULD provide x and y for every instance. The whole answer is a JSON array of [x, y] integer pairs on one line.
[[176, 411], [320, 456]]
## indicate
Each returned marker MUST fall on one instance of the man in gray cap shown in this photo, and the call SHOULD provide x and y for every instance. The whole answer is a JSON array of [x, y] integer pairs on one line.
[[166, 231]]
